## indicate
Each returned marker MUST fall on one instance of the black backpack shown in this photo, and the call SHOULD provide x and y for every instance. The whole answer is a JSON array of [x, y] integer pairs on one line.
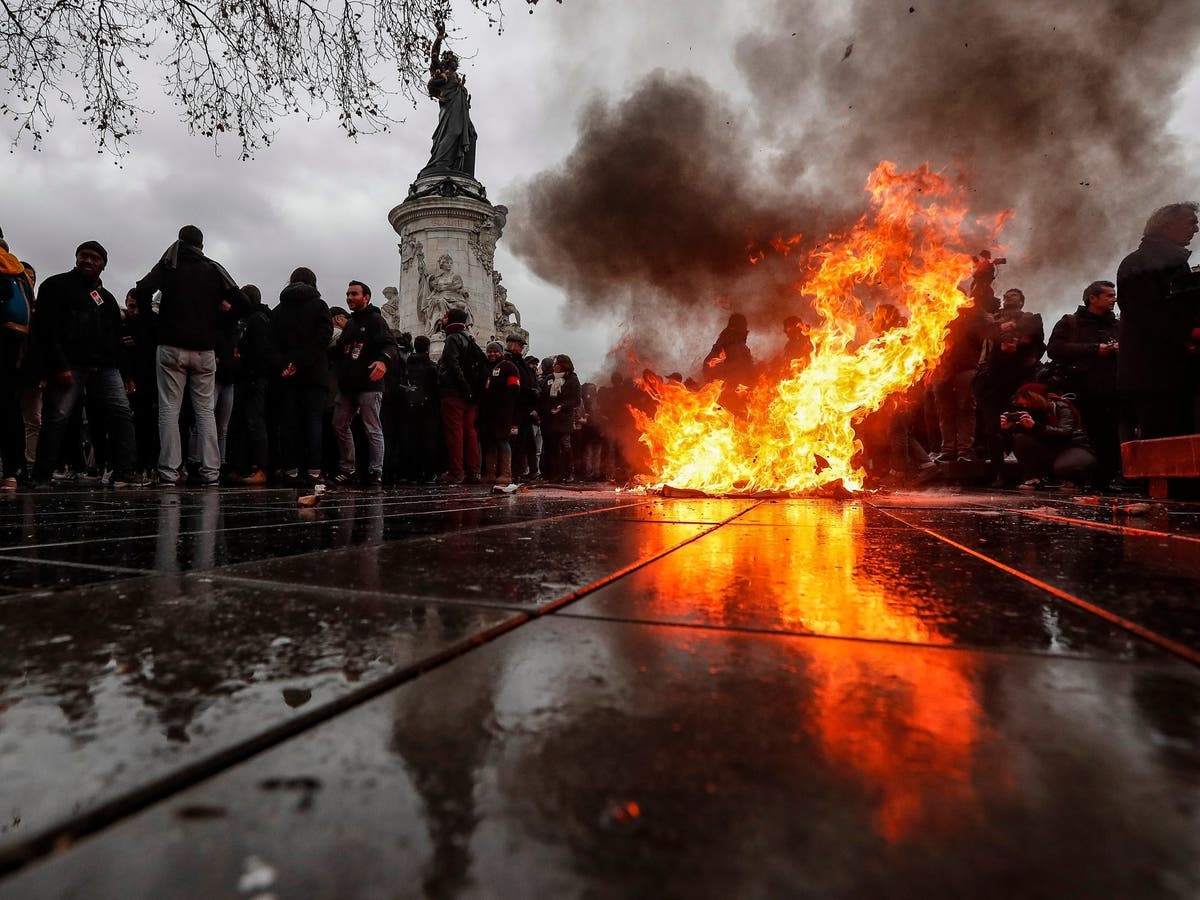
[[474, 364]]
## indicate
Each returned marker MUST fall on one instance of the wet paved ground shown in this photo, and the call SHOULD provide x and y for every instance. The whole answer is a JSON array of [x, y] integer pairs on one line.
[[440, 693]]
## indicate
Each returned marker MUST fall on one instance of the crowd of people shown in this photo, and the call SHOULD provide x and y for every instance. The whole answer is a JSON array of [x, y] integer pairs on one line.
[[197, 380]]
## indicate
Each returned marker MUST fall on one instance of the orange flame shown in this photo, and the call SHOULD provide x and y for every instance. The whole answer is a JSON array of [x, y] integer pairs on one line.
[[798, 435]]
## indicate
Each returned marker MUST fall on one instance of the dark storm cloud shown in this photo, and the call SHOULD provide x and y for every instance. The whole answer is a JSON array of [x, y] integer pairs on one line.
[[1059, 114]]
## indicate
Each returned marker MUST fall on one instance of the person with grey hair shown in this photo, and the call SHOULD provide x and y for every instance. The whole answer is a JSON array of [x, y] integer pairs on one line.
[[1156, 373]]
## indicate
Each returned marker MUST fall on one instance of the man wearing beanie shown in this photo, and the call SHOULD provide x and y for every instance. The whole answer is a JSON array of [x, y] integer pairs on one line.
[[460, 383], [497, 405], [77, 326], [196, 293]]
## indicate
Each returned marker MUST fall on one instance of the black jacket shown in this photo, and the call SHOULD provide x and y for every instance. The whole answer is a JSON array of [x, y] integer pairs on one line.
[[452, 378], [139, 334], [423, 393], [189, 314], [567, 400], [964, 343], [1155, 325], [497, 404], [1059, 425], [302, 328], [256, 348], [77, 324], [365, 339], [528, 395], [1075, 349]]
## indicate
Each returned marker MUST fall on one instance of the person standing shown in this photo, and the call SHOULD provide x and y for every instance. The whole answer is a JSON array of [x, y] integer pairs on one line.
[[423, 426], [260, 362], [195, 292], [1084, 350], [16, 310], [524, 453], [460, 403], [302, 328], [364, 353], [141, 354], [563, 397], [497, 410], [77, 325], [1155, 370]]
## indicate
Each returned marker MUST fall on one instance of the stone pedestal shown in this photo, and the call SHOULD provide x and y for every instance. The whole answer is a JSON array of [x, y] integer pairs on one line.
[[448, 232]]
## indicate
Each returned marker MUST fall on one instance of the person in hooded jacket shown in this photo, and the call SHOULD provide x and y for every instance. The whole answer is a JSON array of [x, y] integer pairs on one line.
[[140, 327], [423, 431], [195, 292], [364, 353], [1083, 349], [301, 327], [564, 394], [259, 362], [730, 362]]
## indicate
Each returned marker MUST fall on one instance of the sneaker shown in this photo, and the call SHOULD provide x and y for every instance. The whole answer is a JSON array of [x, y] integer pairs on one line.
[[123, 480], [375, 479], [342, 479], [64, 475], [9, 483], [91, 476], [256, 478], [1033, 484]]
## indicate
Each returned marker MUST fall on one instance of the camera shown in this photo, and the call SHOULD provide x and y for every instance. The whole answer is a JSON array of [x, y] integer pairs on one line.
[[1012, 417]]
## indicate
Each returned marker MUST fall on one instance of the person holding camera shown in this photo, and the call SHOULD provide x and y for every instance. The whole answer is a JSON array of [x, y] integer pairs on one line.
[[1083, 352], [1048, 439]]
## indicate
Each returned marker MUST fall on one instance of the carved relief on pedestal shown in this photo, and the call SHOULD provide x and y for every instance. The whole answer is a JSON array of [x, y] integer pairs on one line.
[[506, 311], [484, 237], [439, 292], [391, 308]]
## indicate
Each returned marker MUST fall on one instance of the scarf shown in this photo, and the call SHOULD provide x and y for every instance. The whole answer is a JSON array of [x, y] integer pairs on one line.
[[557, 382], [171, 258]]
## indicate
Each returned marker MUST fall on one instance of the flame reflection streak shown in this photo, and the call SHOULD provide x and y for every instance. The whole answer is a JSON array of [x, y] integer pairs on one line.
[[910, 734]]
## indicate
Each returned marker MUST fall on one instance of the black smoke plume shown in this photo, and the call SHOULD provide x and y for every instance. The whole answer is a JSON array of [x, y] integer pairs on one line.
[[1058, 111]]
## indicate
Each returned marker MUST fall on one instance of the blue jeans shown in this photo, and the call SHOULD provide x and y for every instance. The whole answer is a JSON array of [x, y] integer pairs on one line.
[[106, 395], [367, 405], [195, 370]]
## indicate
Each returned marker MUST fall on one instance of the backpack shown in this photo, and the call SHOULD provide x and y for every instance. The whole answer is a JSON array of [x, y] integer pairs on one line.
[[14, 302], [475, 365]]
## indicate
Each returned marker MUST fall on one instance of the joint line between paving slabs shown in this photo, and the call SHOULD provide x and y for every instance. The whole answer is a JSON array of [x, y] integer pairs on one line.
[[159, 790], [1174, 647], [1102, 526]]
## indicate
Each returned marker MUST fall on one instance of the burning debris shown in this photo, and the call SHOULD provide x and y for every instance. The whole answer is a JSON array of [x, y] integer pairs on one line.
[[796, 434]]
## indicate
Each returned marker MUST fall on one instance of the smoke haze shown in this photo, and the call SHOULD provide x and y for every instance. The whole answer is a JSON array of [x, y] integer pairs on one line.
[[1059, 114]]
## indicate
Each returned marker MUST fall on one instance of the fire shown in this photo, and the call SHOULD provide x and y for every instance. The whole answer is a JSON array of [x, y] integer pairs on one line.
[[798, 434]]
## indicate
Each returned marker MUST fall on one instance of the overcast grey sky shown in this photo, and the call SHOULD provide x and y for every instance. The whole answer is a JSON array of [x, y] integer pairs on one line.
[[316, 198]]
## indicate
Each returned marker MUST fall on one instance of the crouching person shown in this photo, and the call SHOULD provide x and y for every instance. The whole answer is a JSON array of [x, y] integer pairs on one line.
[[1048, 439], [364, 352]]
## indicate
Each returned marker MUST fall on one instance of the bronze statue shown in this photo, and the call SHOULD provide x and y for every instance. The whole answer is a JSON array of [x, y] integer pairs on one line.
[[454, 138]]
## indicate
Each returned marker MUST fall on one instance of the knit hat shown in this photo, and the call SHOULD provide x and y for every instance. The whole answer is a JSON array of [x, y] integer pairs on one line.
[[499, 346], [95, 247]]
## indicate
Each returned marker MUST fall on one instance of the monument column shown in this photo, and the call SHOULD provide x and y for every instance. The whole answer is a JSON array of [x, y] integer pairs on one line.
[[448, 232], [448, 228]]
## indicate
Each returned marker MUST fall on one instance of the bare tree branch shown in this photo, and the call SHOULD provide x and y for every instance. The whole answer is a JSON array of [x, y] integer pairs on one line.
[[233, 66]]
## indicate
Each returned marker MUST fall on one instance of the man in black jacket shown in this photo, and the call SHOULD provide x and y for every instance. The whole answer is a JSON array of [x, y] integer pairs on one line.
[[524, 453], [249, 444], [77, 325], [362, 356], [1084, 351], [1155, 373], [460, 405], [302, 329], [195, 291]]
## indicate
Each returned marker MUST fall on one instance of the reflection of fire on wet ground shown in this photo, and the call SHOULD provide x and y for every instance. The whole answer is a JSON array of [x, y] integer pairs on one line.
[[796, 435]]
